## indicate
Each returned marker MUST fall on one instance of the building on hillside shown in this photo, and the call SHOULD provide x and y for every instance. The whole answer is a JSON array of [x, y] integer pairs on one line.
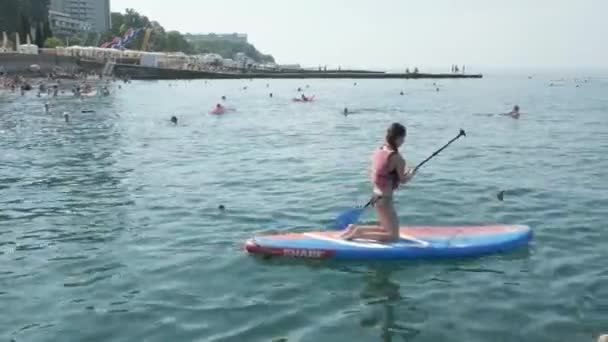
[[94, 12], [64, 25], [214, 37]]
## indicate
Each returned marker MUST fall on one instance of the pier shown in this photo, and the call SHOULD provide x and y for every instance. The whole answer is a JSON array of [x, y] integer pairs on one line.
[[150, 73]]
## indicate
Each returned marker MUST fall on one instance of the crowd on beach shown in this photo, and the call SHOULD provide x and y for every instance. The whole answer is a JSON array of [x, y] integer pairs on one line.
[[78, 85]]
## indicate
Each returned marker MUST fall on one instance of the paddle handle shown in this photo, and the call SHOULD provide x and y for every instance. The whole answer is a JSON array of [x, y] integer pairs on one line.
[[462, 133]]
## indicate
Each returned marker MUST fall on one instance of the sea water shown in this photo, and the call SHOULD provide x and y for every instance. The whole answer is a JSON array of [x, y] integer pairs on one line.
[[110, 228]]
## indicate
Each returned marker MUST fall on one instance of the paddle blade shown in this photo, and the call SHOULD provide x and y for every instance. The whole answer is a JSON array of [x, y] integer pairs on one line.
[[346, 218]]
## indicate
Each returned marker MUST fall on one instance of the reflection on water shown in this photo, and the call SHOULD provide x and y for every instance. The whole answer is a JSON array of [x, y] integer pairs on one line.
[[382, 294]]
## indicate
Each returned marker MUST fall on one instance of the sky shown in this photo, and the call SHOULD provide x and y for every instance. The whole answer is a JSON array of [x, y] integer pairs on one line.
[[393, 34]]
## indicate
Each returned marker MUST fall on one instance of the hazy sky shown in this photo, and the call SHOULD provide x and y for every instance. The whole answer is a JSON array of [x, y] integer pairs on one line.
[[399, 33]]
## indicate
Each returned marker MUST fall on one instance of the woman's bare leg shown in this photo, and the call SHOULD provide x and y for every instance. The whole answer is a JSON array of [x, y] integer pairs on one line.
[[389, 224]]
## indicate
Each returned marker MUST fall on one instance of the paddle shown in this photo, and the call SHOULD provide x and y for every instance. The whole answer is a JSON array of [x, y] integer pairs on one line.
[[351, 216]]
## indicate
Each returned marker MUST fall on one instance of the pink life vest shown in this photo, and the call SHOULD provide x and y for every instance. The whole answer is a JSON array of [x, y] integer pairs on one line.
[[381, 176]]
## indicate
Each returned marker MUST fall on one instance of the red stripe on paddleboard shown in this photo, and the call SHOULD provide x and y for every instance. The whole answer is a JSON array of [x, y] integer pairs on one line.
[[306, 253]]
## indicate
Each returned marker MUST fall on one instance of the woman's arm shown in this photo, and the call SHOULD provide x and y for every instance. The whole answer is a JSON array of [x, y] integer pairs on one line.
[[404, 173]]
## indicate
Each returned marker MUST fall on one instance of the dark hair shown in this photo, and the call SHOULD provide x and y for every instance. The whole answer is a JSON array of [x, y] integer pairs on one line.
[[394, 132]]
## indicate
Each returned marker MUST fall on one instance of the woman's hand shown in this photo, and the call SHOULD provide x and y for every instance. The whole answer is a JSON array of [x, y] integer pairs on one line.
[[409, 174]]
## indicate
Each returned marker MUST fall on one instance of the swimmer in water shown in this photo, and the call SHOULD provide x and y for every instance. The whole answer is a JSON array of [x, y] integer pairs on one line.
[[304, 98], [514, 113], [223, 98], [401, 93], [174, 120], [66, 116], [270, 94], [299, 89], [345, 111], [46, 107]]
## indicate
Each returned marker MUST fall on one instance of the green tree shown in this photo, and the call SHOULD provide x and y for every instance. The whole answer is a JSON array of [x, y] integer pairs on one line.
[[39, 36], [46, 29], [10, 14], [74, 40], [21, 15], [177, 42], [24, 30], [52, 42], [39, 11], [158, 38], [135, 20], [118, 21], [172, 41], [228, 49]]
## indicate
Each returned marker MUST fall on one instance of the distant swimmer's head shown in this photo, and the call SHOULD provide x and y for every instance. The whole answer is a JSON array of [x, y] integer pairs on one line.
[[401, 93], [516, 109], [224, 98], [218, 106], [66, 116], [270, 94], [395, 135], [221, 207], [345, 110], [174, 120]]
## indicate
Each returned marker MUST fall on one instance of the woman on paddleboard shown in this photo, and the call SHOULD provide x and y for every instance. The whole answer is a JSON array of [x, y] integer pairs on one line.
[[387, 172]]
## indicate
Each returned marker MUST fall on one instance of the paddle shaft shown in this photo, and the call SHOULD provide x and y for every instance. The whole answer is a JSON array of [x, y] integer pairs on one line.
[[461, 134]]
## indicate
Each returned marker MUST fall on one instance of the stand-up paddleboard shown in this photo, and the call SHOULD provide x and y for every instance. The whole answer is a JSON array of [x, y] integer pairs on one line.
[[415, 243]]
